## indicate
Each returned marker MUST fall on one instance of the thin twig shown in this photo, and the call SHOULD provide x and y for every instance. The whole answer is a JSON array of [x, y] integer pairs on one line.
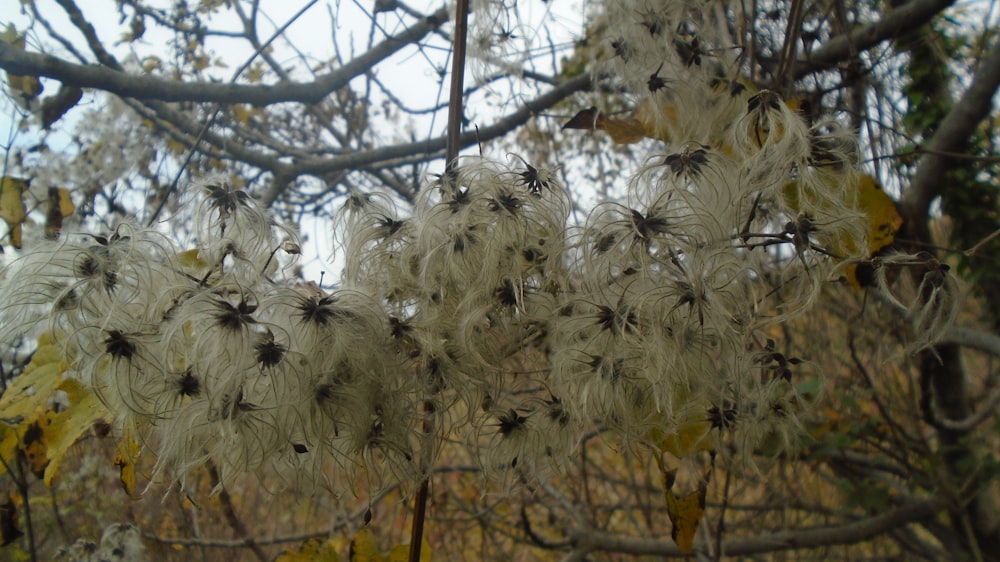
[[972, 251], [720, 528], [211, 120]]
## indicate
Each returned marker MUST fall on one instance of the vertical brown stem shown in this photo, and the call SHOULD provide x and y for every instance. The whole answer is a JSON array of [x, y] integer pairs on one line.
[[22, 487], [454, 136], [455, 110], [419, 510], [232, 518]]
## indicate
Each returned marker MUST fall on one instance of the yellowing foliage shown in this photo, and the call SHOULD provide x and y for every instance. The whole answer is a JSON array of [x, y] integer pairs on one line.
[[23, 88], [35, 425], [364, 547], [60, 206], [690, 432], [192, 263], [313, 550], [38, 381], [867, 196], [68, 426], [244, 113], [401, 552], [151, 64], [12, 209], [685, 512], [630, 130], [126, 455], [649, 121], [690, 436]]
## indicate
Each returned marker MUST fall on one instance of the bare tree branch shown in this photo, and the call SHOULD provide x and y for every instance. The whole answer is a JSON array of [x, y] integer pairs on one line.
[[122, 84], [809, 537], [90, 34], [838, 49], [975, 339], [952, 135], [430, 148]]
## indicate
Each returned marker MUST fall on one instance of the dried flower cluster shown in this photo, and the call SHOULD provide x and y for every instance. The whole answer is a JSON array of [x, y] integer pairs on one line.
[[481, 308], [118, 542]]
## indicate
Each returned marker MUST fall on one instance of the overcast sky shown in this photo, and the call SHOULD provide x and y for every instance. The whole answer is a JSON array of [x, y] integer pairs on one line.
[[534, 26]]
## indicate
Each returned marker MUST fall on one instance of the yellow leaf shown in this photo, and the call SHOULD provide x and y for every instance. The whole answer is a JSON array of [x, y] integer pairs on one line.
[[867, 196], [665, 121], [689, 437], [8, 445], [46, 431], [199, 62], [151, 63], [60, 207], [245, 112], [364, 547], [884, 219], [313, 550], [401, 552], [686, 434], [192, 263], [255, 73], [66, 206], [12, 209], [29, 392], [175, 146], [23, 88], [126, 455], [685, 512], [66, 427], [34, 447], [638, 126]]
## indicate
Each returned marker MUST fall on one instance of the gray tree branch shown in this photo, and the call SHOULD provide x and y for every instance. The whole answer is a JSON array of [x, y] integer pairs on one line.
[[908, 16], [972, 338], [810, 537], [430, 148], [123, 84], [952, 136]]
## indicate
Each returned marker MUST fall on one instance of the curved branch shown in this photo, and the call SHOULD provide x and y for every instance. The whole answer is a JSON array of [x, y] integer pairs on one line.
[[952, 136], [986, 410], [227, 147], [973, 338], [154, 88], [90, 34], [909, 15], [430, 148], [810, 537]]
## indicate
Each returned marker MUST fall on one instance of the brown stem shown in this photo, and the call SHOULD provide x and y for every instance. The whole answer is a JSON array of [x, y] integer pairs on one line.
[[454, 138], [419, 514], [20, 477], [455, 111], [230, 511]]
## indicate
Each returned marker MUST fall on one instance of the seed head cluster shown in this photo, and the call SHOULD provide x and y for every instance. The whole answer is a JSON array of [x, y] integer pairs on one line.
[[482, 310]]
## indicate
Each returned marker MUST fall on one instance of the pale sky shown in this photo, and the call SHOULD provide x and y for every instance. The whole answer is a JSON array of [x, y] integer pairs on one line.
[[411, 76]]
